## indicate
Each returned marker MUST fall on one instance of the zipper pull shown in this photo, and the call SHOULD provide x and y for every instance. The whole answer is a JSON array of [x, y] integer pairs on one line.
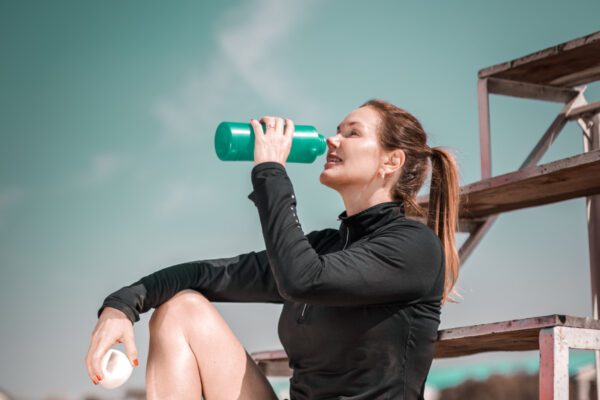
[[301, 319]]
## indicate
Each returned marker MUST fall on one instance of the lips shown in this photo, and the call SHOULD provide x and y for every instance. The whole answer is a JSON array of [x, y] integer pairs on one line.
[[333, 158]]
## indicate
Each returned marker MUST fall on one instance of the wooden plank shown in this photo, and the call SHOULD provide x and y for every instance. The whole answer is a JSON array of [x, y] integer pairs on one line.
[[485, 141], [565, 179], [584, 111], [567, 64], [273, 363], [530, 90], [464, 225], [513, 335]]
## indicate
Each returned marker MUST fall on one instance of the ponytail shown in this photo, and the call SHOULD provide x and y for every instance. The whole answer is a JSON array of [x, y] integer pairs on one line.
[[442, 216]]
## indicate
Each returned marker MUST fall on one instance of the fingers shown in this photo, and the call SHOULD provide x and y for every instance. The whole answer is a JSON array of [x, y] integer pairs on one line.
[[269, 121], [107, 333], [274, 122], [88, 365], [279, 125], [258, 130], [289, 127], [93, 372], [131, 350], [97, 351]]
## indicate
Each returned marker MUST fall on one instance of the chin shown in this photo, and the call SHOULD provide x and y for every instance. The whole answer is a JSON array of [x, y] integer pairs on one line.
[[326, 179]]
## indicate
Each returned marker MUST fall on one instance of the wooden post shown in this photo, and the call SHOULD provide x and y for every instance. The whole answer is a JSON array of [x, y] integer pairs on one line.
[[592, 203], [554, 365], [484, 128], [555, 343]]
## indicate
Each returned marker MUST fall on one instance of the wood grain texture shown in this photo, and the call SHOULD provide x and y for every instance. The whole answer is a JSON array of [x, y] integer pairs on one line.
[[567, 64], [565, 179]]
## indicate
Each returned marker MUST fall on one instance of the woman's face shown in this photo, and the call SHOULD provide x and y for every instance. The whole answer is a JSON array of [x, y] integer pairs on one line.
[[356, 145]]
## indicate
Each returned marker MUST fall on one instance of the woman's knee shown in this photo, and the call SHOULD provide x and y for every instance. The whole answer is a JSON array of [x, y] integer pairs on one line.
[[179, 309]]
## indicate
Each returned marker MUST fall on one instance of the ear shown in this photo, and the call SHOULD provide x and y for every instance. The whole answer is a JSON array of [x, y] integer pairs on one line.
[[394, 161]]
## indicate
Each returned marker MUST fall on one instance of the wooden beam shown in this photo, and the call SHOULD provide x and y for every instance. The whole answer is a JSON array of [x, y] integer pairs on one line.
[[485, 140], [553, 131], [565, 179], [513, 335], [584, 111], [571, 63], [464, 225], [530, 90], [272, 363]]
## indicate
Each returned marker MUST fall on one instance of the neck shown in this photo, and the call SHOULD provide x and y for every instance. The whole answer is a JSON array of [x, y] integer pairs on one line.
[[356, 201]]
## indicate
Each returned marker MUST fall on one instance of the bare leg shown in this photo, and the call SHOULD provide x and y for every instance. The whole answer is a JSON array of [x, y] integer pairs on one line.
[[193, 352]]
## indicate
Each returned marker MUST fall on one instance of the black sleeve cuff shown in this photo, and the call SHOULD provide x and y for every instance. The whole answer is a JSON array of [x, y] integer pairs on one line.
[[133, 317], [262, 171]]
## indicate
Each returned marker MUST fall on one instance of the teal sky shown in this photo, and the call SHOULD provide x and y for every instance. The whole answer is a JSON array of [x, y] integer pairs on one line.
[[108, 172]]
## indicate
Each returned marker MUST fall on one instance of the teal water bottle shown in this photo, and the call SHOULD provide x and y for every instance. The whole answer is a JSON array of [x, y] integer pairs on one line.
[[234, 141]]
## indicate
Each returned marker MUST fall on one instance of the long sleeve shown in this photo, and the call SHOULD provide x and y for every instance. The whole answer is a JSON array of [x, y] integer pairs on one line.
[[400, 264], [243, 278]]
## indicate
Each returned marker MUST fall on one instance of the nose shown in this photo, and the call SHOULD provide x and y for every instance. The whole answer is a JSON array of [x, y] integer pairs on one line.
[[332, 141]]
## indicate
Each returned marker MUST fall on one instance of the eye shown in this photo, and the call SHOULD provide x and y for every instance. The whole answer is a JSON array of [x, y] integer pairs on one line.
[[354, 133]]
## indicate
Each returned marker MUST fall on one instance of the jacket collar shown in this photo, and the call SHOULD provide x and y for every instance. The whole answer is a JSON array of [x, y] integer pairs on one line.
[[368, 220]]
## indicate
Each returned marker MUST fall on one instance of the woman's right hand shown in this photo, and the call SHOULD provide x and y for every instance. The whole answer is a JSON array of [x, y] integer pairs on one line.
[[112, 327]]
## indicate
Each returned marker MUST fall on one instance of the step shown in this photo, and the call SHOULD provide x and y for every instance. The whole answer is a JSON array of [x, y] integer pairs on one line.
[[568, 178], [571, 63], [512, 335]]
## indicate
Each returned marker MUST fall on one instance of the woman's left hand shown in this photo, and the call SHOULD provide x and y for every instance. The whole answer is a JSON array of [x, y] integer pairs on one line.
[[275, 143]]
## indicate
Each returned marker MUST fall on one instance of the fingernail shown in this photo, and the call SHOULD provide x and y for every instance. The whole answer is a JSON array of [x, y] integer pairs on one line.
[[94, 381], [98, 378], [136, 362]]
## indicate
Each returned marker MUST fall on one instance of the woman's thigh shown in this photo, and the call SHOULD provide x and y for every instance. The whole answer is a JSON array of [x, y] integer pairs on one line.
[[226, 369]]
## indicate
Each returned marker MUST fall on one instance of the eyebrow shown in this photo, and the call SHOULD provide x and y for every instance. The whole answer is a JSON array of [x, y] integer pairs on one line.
[[351, 123]]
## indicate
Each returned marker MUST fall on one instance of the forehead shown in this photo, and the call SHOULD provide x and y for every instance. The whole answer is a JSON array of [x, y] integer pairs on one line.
[[364, 118]]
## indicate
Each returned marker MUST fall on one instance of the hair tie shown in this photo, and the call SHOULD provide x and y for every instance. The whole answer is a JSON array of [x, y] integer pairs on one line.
[[431, 151]]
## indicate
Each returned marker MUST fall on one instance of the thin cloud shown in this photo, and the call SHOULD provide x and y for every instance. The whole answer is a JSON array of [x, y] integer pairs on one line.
[[102, 167], [244, 59], [249, 46]]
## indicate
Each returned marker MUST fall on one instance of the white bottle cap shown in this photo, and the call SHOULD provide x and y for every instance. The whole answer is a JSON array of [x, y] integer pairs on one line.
[[116, 369]]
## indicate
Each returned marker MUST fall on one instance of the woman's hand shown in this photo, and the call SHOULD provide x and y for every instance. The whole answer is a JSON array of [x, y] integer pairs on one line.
[[112, 327], [275, 143]]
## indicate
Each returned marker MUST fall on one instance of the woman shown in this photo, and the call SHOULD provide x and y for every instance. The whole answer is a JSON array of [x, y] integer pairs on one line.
[[361, 304]]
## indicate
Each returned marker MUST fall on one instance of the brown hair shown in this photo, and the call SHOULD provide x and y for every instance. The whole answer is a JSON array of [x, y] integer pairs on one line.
[[401, 130]]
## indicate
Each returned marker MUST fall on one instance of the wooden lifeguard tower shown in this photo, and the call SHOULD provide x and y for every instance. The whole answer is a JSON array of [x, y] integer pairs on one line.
[[557, 74]]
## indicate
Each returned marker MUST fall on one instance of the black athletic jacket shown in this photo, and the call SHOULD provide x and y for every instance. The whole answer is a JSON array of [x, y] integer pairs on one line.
[[361, 304]]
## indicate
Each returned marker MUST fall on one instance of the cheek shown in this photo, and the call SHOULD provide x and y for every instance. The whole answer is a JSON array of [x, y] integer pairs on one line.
[[366, 160]]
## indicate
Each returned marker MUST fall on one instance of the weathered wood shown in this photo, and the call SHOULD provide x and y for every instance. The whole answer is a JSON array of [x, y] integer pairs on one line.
[[272, 363], [512, 335], [464, 225], [485, 141], [545, 141], [567, 64], [584, 111], [591, 141], [554, 365], [553, 131], [560, 180], [530, 90], [474, 238]]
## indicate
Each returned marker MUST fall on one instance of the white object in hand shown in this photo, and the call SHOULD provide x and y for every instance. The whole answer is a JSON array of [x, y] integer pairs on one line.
[[116, 369]]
